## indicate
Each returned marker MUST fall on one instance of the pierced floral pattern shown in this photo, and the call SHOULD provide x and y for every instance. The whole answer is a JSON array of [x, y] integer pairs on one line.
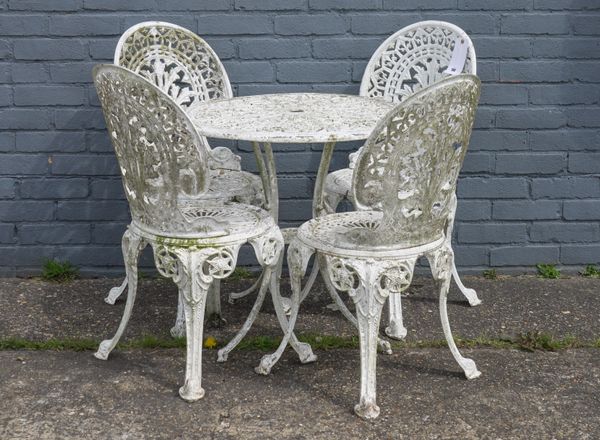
[[409, 166], [176, 60], [158, 149], [412, 59]]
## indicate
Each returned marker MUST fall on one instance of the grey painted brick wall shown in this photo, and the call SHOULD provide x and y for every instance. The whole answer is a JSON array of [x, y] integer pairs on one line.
[[529, 191]]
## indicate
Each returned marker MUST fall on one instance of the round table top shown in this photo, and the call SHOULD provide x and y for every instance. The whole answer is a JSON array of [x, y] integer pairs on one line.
[[290, 117]]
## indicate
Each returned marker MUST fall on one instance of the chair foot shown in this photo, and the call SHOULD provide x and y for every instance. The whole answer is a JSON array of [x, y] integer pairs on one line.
[[470, 369], [305, 353], [367, 411], [384, 346], [222, 355], [104, 350], [178, 330], [471, 296], [191, 391], [266, 364], [115, 293], [396, 331]]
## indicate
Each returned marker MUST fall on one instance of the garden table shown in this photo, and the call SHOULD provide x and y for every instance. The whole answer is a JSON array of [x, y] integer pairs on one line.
[[290, 118]]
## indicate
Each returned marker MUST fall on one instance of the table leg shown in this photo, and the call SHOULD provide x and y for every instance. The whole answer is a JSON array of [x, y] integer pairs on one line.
[[319, 206], [268, 175]]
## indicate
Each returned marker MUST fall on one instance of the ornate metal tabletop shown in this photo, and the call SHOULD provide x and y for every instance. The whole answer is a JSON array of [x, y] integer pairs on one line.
[[290, 117]]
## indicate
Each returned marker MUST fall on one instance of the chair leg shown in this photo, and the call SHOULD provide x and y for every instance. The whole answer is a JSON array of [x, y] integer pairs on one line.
[[178, 330], [395, 328], [368, 308], [116, 292], [132, 246], [298, 257], [470, 294], [223, 353], [369, 283], [441, 262], [303, 349], [213, 305], [194, 293], [237, 295], [384, 345]]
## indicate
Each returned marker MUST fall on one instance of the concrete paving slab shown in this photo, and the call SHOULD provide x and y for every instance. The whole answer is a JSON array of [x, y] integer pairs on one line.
[[133, 395]]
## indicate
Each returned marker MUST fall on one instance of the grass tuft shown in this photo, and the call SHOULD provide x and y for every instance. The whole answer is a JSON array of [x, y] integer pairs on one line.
[[530, 341], [591, 271], [59, 271], [548, 271], [535, 340], [490, 274]]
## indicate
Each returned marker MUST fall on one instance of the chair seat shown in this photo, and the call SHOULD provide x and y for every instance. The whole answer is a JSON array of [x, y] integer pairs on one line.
[[232, 185], [353, 234], [339, 182], [213, 224]]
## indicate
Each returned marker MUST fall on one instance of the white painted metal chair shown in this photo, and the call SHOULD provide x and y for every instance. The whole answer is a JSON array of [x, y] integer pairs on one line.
[[185, 67], [195, 240], [404, 184], [413, 58]]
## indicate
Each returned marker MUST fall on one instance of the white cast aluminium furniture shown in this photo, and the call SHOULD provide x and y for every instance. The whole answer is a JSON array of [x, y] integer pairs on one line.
[[404, 185], [164, 166], [291, 118], [186, 68], [413, 58]]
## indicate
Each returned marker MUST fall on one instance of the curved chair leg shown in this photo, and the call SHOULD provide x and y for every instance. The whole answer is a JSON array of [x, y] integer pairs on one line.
[[223, 353], [303, 349], [116, 292], [132, 246], [384, 345], [237, 295], [470, 294], [441, 262], [298, 257], [395, 328]]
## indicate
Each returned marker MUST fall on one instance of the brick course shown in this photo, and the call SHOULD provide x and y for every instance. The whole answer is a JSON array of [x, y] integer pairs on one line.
[[529, 191]]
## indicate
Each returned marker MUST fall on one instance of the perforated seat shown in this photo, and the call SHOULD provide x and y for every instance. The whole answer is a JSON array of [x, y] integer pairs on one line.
[[355, 234], [213, 223]]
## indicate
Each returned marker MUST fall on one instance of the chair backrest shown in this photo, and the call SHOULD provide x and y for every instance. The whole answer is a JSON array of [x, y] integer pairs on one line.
[[409, 165], [176, 60], [413, 58], [161, 157]]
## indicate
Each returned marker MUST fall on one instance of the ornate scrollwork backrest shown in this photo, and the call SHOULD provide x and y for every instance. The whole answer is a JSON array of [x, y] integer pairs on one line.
[[159, 151], [176, 60], [409, 165], [413, 58]]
